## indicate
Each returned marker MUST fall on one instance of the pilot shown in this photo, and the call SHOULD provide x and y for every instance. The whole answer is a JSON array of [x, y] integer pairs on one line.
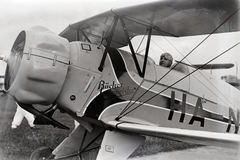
[[166, 60]]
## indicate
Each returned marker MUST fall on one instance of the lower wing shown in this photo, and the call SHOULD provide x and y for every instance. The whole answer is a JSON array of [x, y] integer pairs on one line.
[[200, 137]]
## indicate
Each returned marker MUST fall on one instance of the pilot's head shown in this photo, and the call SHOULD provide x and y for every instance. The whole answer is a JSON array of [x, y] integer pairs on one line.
[[166, 60]]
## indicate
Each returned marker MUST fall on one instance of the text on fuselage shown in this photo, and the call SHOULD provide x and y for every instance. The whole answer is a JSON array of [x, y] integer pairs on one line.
[[105, 85], [198, 114]]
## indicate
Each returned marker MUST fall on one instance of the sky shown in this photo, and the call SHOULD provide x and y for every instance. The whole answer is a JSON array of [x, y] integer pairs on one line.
[[18, 15], [56, 15]]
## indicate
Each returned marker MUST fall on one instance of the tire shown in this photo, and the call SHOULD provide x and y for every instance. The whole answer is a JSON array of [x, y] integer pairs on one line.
[[41, 153]]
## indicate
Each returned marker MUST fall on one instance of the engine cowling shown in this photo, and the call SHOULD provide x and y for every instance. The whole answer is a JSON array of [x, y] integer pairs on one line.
[[37, 66]]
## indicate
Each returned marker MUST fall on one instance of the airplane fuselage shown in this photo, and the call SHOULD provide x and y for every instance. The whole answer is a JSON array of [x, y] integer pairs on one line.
[[198, 102]]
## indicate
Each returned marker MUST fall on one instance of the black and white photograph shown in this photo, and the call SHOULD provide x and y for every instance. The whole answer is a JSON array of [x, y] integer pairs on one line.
[[120, 80]]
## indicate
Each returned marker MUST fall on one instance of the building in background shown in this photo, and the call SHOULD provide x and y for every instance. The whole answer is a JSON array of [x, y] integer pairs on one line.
[[233, 80]]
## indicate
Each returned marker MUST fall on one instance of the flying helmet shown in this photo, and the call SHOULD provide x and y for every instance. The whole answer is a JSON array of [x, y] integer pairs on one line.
[[167, 56]]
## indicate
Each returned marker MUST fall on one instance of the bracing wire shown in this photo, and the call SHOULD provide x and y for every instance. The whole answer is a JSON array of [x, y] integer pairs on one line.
[[204, 78], [158, 45], [122, 114], [139, 85], [141, 42]]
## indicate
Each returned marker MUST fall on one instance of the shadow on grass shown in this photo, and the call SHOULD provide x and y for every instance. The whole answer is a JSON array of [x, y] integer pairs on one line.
[[155, 145], [21, 142]]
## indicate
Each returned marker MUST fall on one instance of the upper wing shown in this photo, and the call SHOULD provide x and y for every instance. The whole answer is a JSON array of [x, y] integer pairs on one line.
[[166, 17], [200, 137]]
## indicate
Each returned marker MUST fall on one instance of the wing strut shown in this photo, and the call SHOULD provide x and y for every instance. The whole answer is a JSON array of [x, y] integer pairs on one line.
[[141, 73], [131, 46], [146, 51], [100, 68], [78, 38]]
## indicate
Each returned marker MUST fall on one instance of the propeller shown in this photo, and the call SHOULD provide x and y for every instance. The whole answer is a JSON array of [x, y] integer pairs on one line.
[[36, 69]]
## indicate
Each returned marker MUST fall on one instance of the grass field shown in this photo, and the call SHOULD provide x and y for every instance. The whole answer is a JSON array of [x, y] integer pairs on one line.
[[20, 143]]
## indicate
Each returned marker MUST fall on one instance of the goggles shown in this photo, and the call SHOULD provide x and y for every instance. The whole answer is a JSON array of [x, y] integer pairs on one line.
[[165, 57]]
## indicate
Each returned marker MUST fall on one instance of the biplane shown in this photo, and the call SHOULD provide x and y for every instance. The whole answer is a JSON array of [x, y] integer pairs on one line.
[[119, 96]]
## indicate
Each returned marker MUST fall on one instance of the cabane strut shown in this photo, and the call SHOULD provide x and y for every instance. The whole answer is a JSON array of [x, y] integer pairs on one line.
[[140, 72]]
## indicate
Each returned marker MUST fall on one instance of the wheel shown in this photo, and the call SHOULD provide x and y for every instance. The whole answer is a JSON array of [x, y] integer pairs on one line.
[[41, 153]]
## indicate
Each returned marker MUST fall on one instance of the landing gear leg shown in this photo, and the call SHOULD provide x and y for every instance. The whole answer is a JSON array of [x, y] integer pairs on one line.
[[78, 142]]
